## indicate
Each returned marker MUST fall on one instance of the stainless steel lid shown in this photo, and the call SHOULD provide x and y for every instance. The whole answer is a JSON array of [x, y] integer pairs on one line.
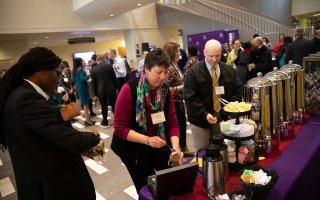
[[277, 75], [259, 82], [290, 67]]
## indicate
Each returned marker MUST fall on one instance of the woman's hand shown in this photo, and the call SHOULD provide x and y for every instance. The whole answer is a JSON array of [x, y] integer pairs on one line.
[[156, 142], [65, 97]]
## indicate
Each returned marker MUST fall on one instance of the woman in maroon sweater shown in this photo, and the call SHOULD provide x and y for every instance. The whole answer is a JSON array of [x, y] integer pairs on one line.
[[145, 121]]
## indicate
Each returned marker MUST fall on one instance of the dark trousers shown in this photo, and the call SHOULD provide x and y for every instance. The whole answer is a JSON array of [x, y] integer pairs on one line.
[[120, 82], [104, 102], [141, 160], [181, 117], [90, 106], [242, 72], [149, 159]]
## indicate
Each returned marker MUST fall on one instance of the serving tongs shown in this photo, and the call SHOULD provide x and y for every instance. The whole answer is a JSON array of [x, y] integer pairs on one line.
[[223, 101]]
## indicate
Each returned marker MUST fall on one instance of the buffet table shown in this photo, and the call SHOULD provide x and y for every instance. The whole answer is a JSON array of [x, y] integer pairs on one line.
[[297, 160]]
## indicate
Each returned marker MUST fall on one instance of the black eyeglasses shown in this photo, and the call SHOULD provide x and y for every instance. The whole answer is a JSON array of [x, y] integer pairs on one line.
[[58, 72]]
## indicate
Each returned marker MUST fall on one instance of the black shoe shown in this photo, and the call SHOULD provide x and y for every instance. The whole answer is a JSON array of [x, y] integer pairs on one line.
[[104, 125], [93, 114]]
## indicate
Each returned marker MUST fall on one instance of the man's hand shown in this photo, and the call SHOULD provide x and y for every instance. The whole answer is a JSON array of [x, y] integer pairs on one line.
[[211, 119], [251, 66]]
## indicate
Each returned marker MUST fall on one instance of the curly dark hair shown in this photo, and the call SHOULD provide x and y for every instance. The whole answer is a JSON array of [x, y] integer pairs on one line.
[[35, 60], [157, 57]]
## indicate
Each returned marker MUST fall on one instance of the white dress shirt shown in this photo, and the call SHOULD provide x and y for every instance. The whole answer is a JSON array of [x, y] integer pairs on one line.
[[140, 65], [210, 66], [119, 67], [38, 89]]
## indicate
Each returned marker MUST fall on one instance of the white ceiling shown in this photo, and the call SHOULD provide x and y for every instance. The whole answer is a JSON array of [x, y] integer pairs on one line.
[[102, 9], [94, 11], [61, 38]]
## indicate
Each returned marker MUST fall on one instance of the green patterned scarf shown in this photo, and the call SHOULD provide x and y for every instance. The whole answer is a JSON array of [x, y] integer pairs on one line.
[[156, 104]]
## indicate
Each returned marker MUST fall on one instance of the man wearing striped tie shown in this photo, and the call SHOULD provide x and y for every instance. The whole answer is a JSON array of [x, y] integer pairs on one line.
[[205, 83]]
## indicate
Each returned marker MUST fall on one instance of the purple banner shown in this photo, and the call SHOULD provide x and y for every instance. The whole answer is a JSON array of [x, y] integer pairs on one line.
[[200, 39], [231, 35]]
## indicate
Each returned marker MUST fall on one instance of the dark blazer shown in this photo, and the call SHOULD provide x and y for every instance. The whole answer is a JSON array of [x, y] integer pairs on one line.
[[45, 152], [198, 91], [262, 59], [184, 59], [298, 49], [316, 44], [109, 61], [104, 80]]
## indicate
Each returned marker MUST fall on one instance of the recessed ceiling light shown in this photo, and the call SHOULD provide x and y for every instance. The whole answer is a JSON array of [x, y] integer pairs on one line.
[[139, 4], [111, 15], [35, 42], [316, 15], [47, 37]]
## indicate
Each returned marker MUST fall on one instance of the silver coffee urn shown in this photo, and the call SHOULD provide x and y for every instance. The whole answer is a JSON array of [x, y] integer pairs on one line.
[[283, 88], [261, 93], [296, 73], [213, 174]]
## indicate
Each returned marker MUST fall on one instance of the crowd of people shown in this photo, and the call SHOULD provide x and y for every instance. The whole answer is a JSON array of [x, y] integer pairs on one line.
[[149, 109]]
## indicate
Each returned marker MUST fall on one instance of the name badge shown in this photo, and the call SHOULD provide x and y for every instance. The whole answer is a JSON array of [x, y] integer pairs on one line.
[[219, 90], [158, 118], [65, 80]]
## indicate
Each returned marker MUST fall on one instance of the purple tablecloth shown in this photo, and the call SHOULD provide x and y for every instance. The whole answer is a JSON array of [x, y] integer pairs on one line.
[[298, 166]]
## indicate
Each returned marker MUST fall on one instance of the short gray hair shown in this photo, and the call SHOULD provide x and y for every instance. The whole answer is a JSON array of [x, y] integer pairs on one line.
[[212, 43], [299, 32], [113, 51]]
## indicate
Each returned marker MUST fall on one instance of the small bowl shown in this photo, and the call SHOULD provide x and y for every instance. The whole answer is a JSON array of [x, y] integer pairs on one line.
[[246, 191], [232, 187], [260, 191]]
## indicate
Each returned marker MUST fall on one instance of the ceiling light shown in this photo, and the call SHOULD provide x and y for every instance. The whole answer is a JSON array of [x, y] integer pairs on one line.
[[35, 42], [139, 4], [316, 15], [80, 35], [111, 15], [47, 37]]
